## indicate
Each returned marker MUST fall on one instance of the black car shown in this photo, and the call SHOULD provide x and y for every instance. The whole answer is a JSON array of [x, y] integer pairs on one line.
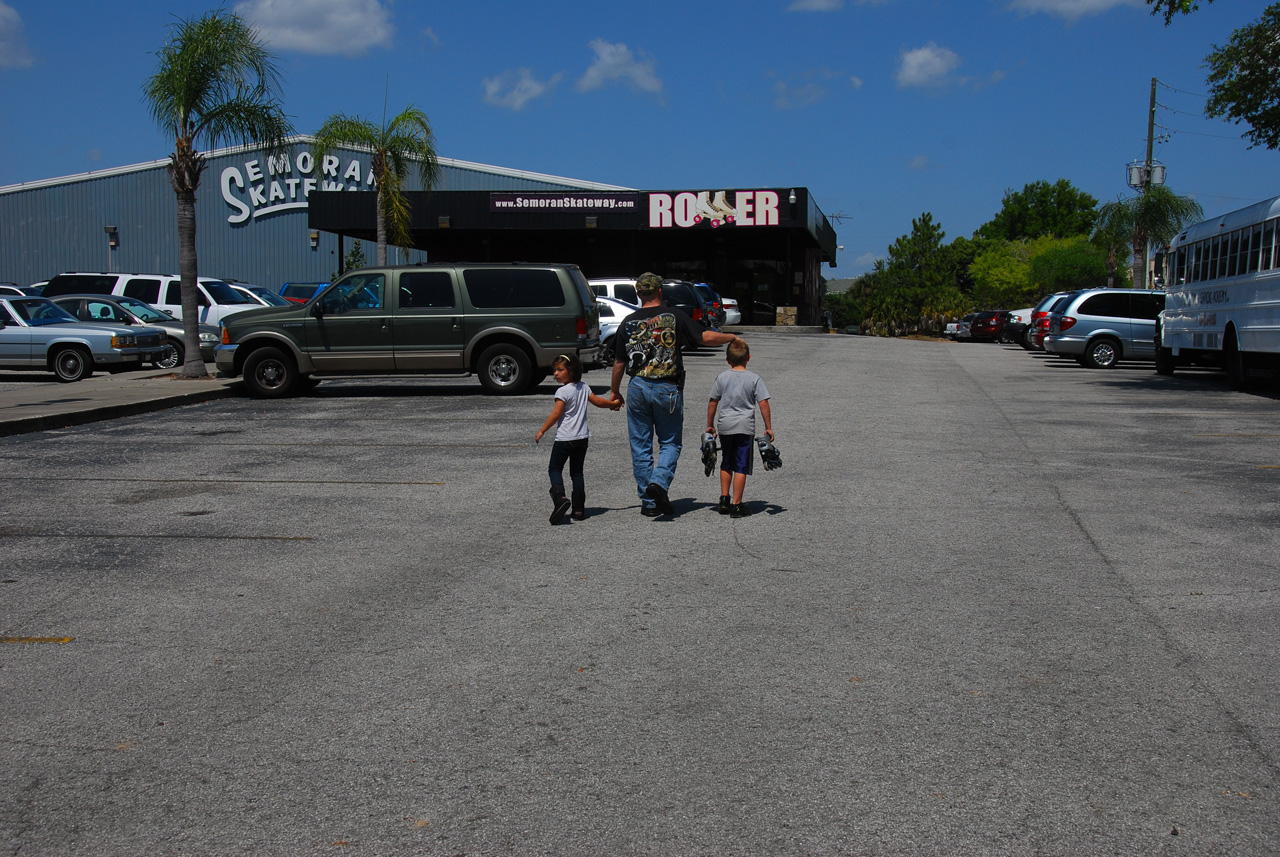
[[682, 294]]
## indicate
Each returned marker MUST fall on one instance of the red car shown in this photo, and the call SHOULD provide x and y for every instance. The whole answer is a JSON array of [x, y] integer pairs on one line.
[[987, 325], [1040, 319]]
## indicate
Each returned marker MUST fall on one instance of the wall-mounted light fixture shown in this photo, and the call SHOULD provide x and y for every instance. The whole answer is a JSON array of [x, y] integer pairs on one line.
[[591, 222], [792, 199], [113, 236], [443, 221], [314, 237]]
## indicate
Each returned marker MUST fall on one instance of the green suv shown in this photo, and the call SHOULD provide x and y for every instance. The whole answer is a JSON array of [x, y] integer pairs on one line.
[[505, 323]]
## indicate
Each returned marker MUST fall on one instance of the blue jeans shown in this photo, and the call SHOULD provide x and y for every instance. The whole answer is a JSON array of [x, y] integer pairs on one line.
[[654, 408]]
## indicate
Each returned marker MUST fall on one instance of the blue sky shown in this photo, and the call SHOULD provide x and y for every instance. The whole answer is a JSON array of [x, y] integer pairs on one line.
[[885, 109]]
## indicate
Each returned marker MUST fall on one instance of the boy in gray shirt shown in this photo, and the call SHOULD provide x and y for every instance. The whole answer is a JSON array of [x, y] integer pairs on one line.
[[731, 414]]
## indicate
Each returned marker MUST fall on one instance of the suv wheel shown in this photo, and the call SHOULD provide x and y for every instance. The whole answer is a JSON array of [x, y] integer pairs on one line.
[[269, 373], [1102, 353], [505, 369]]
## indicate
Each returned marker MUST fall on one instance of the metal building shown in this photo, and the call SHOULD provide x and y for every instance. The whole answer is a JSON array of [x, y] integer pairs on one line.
[[251, 215]]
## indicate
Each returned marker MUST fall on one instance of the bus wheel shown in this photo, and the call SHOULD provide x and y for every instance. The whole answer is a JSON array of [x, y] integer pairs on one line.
[[1164, 359], [1234, 361]]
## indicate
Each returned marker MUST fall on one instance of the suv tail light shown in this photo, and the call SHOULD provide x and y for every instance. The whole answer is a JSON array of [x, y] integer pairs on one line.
[[697, 313], [582, 327], [1042, 323], [1066, 323]]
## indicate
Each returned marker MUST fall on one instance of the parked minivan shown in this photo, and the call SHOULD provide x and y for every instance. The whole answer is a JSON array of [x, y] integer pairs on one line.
[[505, 323], [1100, 327], [163, 291]]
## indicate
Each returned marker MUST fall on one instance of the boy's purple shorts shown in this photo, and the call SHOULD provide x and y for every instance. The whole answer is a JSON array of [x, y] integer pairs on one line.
[[736, 454]]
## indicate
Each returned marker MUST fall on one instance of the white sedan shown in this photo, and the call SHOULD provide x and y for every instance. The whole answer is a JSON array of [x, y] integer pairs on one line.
[[732, 314]]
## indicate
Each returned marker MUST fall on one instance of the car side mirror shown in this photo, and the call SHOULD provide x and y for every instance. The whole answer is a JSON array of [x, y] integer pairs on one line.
[[317, 309]]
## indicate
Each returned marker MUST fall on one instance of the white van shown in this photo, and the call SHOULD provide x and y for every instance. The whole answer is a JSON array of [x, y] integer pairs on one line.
[[163, 291]]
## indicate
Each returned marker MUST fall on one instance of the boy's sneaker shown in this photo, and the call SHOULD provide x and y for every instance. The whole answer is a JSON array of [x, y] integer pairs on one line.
[[562, 506], [739, 510], [725, 506], [649, 511], [658, 495]]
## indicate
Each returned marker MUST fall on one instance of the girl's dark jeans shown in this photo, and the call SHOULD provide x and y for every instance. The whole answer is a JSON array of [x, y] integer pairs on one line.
[[574, 452]]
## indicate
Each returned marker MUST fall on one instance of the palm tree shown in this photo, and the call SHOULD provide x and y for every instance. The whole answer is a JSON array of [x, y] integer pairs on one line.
[[407, 137], [214, 84], [1152, 217]]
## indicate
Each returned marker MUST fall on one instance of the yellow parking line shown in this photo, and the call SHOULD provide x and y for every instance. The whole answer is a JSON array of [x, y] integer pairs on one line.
[[36, 639]]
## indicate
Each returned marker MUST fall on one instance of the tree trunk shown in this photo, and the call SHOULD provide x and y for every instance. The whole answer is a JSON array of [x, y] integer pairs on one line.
[[184, 174], [381, 221], [1139, 259]]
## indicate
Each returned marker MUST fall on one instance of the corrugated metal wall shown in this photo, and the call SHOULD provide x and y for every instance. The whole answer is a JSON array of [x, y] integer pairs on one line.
[[49, 227]]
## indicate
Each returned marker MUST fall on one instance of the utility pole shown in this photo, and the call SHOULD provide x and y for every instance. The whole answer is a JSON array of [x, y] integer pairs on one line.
[[1143, 174]]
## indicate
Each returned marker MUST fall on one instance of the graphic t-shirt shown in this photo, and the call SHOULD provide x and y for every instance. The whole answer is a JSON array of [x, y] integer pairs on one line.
[[573, 423], [650, 341]]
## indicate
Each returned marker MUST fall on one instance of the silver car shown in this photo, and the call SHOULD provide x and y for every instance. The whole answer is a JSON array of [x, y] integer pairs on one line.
[[113, 309], [36, 333], [1100, 327]]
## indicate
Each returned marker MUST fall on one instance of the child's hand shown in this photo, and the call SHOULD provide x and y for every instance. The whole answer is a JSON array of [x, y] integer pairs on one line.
[[615, 404], [769, 432], [711, 430], [538, 436]]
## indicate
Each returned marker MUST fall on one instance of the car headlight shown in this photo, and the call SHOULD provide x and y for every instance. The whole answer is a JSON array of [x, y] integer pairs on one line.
[[209, 339], [124, 341]]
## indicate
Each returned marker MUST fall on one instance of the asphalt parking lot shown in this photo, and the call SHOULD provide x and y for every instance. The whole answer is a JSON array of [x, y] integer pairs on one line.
[[993, 603]]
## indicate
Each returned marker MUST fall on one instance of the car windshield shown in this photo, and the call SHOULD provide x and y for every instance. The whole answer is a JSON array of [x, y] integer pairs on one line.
[[144, 311], [40, 311], [222, 293]]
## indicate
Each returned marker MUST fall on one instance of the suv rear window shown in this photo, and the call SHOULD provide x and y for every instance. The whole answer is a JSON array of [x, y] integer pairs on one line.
[[70, 284], [490, 288]]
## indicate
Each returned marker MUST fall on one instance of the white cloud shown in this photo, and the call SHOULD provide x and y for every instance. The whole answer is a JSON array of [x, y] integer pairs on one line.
[[927, 66], [430, 35], [13, 39], [1072, 10], [856, 82], [788, 97], [616, 62], [866, 260], [515, 89], [918, 163], [815, 5], [347, 27]]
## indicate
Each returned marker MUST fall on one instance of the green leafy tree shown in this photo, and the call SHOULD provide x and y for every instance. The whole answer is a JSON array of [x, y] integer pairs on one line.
[[1169, 8], [214, 85], [395, 145], [1039, 209], [353, 259], [1152, 217], [1068, 263], [1243, 82]]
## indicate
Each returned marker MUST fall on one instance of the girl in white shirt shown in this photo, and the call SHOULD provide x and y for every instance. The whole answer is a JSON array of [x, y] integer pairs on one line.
[[569, 415]]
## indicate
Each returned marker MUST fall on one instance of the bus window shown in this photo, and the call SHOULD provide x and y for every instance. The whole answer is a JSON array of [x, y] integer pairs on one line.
[[1233, 254], [1255, 244], [1268, 235], [1180, 266]]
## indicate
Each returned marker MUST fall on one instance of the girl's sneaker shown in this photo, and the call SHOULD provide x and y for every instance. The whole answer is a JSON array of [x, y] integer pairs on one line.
[[725, 506], [739, 510]]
